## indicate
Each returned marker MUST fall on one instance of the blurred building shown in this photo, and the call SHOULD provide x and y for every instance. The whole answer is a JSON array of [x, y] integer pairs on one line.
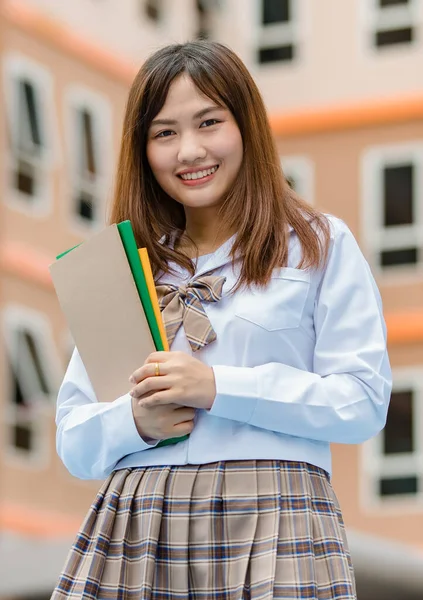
[[342, 80]]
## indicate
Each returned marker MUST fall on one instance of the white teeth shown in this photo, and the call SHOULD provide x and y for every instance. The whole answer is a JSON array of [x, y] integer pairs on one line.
[[199, 174]]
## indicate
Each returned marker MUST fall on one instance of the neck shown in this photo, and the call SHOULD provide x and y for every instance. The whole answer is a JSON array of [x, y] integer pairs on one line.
[[203, 234]]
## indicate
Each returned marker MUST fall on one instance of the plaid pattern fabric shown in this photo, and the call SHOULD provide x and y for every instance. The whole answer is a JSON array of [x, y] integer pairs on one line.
[[236, 530], [182, 305]]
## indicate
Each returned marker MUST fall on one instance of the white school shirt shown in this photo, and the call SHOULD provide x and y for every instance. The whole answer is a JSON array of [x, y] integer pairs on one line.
[[298, 365]]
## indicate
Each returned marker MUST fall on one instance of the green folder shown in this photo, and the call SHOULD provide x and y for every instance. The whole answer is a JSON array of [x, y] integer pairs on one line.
[[131, 250], [66, 251]]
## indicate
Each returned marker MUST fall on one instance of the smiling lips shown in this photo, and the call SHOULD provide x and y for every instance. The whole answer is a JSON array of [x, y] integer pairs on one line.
[[198, 177]]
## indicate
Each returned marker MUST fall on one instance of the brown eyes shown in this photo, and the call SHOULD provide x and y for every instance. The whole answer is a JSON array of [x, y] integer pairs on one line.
[[209, 122], [168, 132]]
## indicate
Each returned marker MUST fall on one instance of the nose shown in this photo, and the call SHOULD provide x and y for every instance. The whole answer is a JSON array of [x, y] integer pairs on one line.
[[191, 149]]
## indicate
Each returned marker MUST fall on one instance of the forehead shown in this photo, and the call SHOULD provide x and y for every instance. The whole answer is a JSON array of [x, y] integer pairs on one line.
[[184, 96]]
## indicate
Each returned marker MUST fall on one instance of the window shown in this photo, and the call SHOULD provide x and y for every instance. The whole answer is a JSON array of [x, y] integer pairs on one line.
[[206, 17], [32, 382], [299, 172], [384, 3], [277, 40], [152, 9], [28, 89], [202, 9], [393, 23], [394, 459], [89, 135], [87, 168], [29, 144], [392, 213]]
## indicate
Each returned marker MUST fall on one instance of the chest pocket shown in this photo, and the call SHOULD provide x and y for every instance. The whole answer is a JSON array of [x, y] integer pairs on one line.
[[278, 306]]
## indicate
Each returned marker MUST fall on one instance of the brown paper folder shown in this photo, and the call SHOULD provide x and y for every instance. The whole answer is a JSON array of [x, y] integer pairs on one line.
[[100, 301]]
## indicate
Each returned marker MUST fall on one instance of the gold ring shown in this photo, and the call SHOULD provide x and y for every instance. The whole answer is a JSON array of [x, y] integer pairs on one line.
[[157, 367]]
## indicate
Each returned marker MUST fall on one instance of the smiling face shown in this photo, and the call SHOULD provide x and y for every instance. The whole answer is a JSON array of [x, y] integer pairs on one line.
[[194, 147]]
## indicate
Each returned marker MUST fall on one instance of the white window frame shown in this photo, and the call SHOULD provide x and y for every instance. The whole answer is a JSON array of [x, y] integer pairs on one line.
[[301, 169], [375, 465], [374, 18], [16, 318], [78, 98], [270, 36], [376, 237], [18, 67]]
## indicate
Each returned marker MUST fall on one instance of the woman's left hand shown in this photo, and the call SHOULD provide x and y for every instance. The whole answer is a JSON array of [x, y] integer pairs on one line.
[[183, 380]]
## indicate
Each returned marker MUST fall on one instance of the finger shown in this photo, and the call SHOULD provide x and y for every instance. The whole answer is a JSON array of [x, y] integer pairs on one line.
[[184, 413], [158, 399], [158, 357], [140, 411], [176, 407], [149, 370], [149, 386], [184, 428]]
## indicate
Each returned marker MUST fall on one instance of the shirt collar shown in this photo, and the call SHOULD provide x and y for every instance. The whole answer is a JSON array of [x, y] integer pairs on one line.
[[163, 238], [217, 259]]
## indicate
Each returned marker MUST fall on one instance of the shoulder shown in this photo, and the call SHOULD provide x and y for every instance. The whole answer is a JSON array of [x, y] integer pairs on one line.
[[337, 225], [332, 232], [344, 252], [338, 229], [322, 223], [327, 229]]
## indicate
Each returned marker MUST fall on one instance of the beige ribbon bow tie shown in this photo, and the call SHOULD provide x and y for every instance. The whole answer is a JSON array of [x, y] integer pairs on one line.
[[182, 306]]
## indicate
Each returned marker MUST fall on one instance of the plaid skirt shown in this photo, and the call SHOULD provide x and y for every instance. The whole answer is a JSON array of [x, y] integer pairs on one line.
[[236, 530]]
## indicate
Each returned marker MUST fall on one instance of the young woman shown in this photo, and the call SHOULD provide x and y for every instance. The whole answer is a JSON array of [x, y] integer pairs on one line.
[[277, 349]]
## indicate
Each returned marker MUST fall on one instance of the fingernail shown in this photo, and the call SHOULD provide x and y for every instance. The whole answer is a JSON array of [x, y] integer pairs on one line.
[[132, 379]]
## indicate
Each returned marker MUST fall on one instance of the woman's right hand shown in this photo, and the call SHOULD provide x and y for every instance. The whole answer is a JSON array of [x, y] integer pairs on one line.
[[162, 422]]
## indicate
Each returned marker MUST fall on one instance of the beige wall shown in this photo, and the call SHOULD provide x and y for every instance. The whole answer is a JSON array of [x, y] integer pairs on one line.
[[335, 66], [40, 482], [337, 160], [53, 232], [122, 27], [45, 484], [337, 165], [404, 523]]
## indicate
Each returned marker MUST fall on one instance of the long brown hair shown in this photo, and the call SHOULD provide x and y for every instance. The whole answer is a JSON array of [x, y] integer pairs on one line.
[[260, 204]]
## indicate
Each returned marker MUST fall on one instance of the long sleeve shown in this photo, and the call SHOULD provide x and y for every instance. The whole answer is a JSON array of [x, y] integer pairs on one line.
[[92, 436], [345, 398]]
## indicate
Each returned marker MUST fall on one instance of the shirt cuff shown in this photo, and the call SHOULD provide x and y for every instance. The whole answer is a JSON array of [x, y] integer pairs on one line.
[[236, 393]]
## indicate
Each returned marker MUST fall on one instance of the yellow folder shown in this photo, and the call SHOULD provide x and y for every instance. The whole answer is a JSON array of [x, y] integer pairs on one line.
[[148, 274]]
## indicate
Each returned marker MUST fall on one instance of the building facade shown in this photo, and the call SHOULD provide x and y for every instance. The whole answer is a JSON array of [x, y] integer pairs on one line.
[[341, 82]]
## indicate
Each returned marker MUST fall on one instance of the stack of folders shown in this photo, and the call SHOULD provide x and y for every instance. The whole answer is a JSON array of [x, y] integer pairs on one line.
[[106, 290]]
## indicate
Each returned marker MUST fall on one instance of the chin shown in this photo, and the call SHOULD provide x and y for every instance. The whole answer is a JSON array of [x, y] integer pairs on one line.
[[201, 203], [205, 200]]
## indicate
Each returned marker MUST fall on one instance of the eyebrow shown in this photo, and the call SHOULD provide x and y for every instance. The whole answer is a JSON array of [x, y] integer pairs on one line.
[[197, 115]]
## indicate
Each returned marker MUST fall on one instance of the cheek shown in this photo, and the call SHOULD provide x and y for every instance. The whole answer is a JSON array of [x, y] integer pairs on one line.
[[158, 161], [232, 148]]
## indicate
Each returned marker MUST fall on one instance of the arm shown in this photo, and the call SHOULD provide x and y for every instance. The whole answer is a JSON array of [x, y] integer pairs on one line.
[[92, 436], [346, 398]]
